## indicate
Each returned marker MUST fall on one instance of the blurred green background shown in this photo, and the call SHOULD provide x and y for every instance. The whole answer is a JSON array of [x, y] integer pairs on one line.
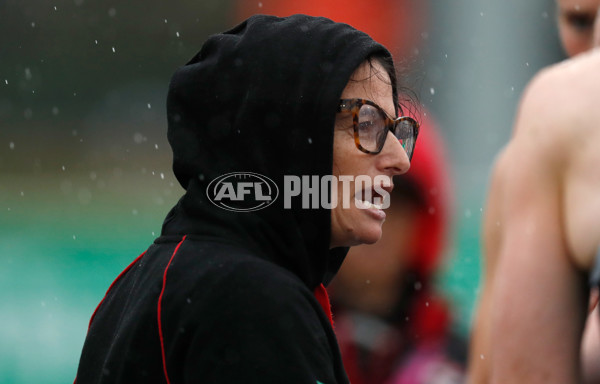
[[85, 168]]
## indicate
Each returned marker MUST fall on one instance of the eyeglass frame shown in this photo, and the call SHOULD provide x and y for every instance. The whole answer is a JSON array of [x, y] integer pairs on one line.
[[354, 105]]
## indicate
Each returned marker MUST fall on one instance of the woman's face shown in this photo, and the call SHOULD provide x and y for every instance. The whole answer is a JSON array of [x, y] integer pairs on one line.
[[578, 25], [354, 223]]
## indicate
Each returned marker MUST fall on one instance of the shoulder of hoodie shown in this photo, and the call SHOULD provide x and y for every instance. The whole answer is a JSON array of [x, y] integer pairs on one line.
[[223, 279]]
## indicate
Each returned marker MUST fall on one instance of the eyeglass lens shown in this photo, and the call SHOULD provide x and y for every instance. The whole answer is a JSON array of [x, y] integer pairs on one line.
[[371, 127], [372, 130]]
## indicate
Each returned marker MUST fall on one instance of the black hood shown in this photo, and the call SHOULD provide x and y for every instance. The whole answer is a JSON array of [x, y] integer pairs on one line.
[[262, 98]]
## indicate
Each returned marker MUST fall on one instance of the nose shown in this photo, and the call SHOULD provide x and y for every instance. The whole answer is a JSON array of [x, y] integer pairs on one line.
[[393, 159]]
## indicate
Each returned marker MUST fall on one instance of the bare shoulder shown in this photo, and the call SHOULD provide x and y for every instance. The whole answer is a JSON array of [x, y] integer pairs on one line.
[[560, 96], [569, 77], [557, 133]]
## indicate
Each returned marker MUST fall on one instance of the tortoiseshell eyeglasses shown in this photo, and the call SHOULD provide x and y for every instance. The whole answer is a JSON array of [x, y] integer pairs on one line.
[[371, 125]]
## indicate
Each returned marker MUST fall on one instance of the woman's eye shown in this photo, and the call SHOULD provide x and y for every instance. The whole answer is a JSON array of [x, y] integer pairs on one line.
[[365, 124], [580, 21]]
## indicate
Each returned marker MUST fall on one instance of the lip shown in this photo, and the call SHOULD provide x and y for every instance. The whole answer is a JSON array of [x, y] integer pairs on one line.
[[372, 211]]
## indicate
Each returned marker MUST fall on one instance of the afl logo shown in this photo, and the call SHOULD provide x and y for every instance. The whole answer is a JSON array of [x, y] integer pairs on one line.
[[242, 191]]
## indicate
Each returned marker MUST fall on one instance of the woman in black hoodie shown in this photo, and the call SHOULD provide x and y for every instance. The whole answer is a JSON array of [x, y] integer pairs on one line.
[[233, 292]]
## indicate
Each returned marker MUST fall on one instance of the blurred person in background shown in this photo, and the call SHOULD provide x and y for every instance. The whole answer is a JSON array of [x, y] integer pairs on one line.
[[578, 22], [392, 325], [497, 322]]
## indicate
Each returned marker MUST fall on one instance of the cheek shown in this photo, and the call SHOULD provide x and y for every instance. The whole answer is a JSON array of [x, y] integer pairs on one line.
[[573, 41], [347, 158], [341, 154]]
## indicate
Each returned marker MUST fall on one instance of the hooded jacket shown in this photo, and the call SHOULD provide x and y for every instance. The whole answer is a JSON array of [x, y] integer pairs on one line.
[[224, 296]]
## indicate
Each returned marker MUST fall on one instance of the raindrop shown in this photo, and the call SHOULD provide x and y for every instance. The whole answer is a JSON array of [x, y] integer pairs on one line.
[[482, 357], [112, 12], [138, 138], [468, 213], [149, 106], [188, 300], [156, 146], [427, 303], [201, 177], [6, 81], [55, 8], [153, 233], [134, 212], [93, 176], [28, 113], [432, 91], [177, 34], [481, 13], [11, 145], [55, 111], [418, 286], [32, 24], [368, 281], [165, 21], [159, 200], [527, 64], [74, 237], [28, 74], [22, 193], [64, 168], [96, 41], [162, 175], [259, 5], [74, 132], [309, 140], [113, 49], [545, 15], [577, 7]]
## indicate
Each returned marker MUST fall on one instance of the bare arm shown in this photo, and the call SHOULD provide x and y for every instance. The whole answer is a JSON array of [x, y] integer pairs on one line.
[[480, 348], [539, 295]]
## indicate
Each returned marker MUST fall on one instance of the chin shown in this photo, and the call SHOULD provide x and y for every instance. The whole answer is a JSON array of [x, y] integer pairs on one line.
[[357, 229], [368, 235]]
